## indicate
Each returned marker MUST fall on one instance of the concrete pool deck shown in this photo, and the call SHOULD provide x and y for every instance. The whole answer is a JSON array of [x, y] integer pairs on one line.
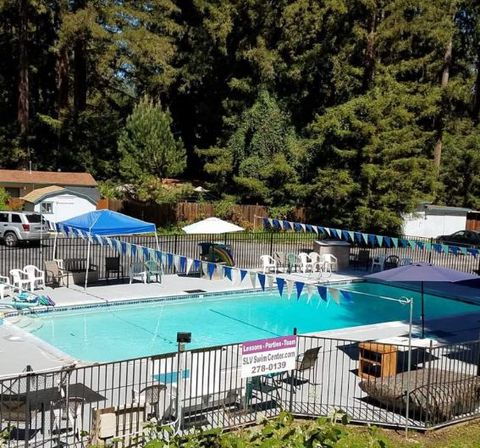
[[19, 348]]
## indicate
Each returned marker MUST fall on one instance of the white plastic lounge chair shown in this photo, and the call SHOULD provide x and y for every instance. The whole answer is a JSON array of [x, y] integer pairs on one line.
[[330, 262], [20, 279], [316, 261], [268, 264], [305, 262], [5, 286], [378, 261], [35, 276], [138, 271]]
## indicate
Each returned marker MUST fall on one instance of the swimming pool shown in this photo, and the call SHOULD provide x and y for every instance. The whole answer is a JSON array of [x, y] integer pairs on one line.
[[127, 331]]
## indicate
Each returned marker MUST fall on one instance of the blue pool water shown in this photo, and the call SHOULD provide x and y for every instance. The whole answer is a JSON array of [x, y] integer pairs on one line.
[[128, 331]]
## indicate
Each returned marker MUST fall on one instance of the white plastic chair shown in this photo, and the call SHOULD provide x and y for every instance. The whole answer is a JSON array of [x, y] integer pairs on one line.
[[69, 411], [316, 260], [305, 262], [330, 262], [138, 271], [268, 264], [5, 286], [35, 276], [20, 279], [378, 261], [405, 261]]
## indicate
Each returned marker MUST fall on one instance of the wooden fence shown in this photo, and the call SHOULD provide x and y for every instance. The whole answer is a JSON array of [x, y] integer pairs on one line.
[[164, 215]]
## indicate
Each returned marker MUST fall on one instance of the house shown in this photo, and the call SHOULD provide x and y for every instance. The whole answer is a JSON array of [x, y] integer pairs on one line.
[[18, 183], [57, 203], [431, 220]]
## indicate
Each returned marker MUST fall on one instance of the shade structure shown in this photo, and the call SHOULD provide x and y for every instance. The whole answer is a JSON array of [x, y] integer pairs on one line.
[[421, 273], [108, 223], [212, 226], [104, 223]]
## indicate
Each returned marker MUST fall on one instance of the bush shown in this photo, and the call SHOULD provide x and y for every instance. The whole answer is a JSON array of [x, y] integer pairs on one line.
[[4, 197], [280, 432]]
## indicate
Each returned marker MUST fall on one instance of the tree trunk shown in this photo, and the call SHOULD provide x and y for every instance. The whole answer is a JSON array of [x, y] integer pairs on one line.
[[62, 81], [437, 152], [23, 81], [80, 75]]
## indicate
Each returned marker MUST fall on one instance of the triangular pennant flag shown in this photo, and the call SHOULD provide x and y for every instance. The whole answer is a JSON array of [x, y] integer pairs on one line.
[[228, 272], [146, 253], [158, 255], [347, 295], [188, 265], [270, 223], [299, 286], [395, 242], [261, 279], [183, 263], [176, 262], [315, 229], [243, 273], [100, 240], [266, 223], [287, 225], [322, 290], [196, 265], [379, 240], [297, 227], [365, 238], [412, 244], [280, 285], [388, 241], [320, 229], [445, 248], [351, 235], [420, 244], [91, 237], [333, 232], [280, 223], [372, 240], [276, 223], [437, 247], [327, 230], [204, 267], [345, 235], [304, 227], [211, 269], [123, 246], [335, 294], [169, 260], [133, 250], [253, 279], [309, 228], [463, 250], [117, 245], [427, 246], [290, 284], [454, 250], [403, 242], [473, 252], [310, 291]]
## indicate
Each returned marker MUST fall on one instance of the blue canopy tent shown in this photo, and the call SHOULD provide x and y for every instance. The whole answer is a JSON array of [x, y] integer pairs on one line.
[[105, 223]]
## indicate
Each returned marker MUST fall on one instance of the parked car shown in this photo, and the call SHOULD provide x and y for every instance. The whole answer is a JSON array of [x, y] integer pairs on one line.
[[461, 238], [22, 226]]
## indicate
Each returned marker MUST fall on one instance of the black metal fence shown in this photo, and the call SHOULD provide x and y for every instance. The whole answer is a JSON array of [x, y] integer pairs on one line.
[[127, 401], [246, 247]]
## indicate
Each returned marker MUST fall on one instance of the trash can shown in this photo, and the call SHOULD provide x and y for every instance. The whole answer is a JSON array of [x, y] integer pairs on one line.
[[340, 249]]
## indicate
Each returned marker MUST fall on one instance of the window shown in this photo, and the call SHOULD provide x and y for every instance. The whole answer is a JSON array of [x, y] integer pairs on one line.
[[16, 218], [33, 218], [3, 217], [46, 208], [13, 192]]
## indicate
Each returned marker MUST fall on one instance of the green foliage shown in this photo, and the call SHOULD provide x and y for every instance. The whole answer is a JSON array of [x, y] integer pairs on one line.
[[280, 432], [147, 146], [110, 190], [4, 196]]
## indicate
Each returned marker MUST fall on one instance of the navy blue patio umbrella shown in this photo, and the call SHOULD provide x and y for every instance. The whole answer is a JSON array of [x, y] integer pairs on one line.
[[421, 273]]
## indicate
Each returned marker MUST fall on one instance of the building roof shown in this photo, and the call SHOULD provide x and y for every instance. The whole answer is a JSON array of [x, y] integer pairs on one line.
[[46, 178], [36, 195]]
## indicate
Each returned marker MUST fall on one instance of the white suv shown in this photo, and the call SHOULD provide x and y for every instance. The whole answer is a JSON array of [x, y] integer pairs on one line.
[[22, 226]]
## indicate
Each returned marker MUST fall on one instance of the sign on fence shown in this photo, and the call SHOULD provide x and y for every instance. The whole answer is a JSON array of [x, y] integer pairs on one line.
[[266, 356]]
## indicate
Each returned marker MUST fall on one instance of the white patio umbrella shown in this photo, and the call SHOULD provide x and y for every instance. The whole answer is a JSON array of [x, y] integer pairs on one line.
[[212, 226]]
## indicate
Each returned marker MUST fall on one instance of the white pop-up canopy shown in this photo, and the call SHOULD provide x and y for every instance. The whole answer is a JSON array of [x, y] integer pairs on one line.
[[212, 226]]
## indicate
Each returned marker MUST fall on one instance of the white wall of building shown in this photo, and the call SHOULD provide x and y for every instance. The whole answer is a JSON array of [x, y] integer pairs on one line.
[[65, 206], [431, 226]]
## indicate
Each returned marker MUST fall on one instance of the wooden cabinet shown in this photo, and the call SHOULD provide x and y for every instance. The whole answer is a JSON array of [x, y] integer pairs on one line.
[[377, 360]]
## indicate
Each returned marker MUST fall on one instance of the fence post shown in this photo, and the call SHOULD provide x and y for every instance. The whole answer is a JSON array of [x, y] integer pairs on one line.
[[271, 244], [175, 244], [292, 382], [430, 251]]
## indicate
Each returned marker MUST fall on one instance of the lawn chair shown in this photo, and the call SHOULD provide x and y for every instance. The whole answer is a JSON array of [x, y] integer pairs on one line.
[[35, 276], [405, 261], [268, 264], [20, 279], [68, 411], [55, 274], [151, 397], [113, 265], [392, 261], [5, 286], [279, 257], [362, 259], [378, 261], [154, 269], [292, 262], [330, 262], [305, 262], [304, 363], [138, 271]]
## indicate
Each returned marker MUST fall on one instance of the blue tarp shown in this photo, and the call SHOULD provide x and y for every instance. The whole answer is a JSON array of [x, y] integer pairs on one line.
[[108, 223]]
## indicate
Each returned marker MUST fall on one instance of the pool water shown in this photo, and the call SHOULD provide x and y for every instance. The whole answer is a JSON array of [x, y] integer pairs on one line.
[[142, 329]]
